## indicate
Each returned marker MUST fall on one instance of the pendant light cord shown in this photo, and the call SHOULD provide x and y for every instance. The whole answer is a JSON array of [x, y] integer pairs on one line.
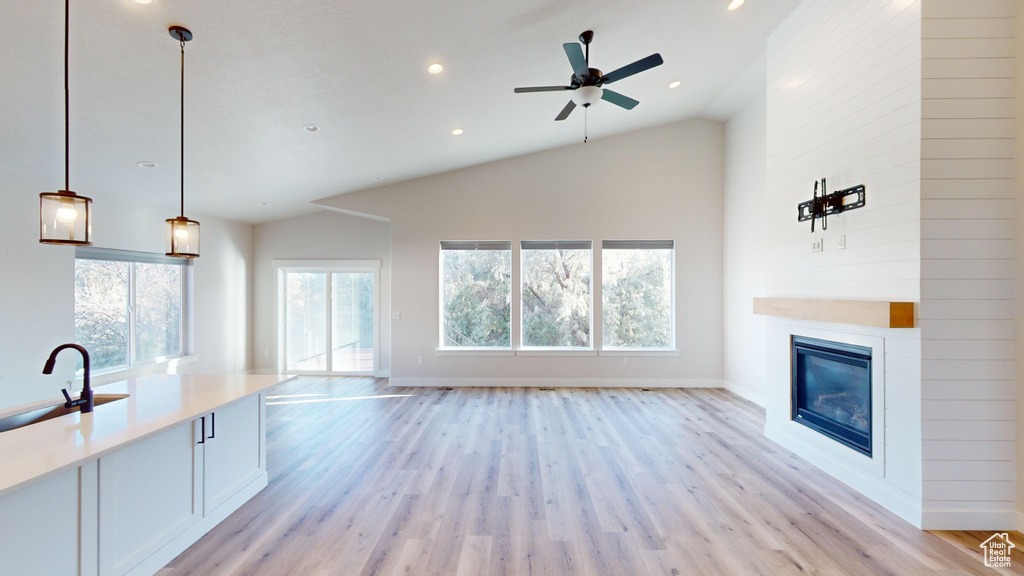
[[182, 39], [67, 98]]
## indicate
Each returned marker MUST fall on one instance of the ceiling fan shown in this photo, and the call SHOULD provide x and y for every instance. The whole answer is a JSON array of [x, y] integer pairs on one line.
[[587, 83]]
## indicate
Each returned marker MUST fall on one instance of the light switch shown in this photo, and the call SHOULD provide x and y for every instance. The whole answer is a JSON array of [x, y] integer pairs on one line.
[[841, 242], [396, 315], [817, 245]]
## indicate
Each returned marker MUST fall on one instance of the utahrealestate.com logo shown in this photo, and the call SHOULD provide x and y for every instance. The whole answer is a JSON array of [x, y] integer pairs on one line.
[[997, 550]]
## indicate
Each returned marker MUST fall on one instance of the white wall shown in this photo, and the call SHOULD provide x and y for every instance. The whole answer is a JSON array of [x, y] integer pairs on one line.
[[844, 103], [660, 183], [1019, 253], [967, 265], [37, 292], [744, 272], [322, 236]]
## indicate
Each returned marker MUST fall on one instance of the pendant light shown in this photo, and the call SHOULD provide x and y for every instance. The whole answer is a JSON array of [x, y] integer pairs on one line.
[[64, 217], [182, 233]]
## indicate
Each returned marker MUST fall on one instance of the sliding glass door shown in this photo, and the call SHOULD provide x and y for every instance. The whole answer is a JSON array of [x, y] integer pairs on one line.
[[352, 302], [329, 320]]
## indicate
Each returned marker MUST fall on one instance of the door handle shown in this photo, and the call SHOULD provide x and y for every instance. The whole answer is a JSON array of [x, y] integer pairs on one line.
[[202, 434], [213, 424]]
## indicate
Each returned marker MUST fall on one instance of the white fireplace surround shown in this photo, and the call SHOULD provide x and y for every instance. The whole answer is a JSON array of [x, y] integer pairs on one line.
[[866, 474]]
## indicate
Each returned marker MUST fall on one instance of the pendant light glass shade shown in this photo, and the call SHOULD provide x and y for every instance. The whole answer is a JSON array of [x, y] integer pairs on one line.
[[181, 233], [182, 237], [65, 218]]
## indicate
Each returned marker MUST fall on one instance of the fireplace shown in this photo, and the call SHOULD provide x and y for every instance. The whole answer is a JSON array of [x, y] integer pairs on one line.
[[832, 390]]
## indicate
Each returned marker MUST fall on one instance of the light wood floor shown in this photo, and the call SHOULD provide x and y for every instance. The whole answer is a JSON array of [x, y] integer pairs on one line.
[[366, 479]]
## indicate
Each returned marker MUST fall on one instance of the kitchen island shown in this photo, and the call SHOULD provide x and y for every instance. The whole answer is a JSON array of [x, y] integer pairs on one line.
[[124, 489]]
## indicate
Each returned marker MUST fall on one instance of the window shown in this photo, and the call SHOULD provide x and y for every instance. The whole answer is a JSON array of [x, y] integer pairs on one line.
[[129, 306], [636, 293], [556, 294], [329, 322], [476, 295]]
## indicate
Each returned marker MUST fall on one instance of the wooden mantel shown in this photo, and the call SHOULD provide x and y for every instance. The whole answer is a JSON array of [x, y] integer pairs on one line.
[[877, 313]]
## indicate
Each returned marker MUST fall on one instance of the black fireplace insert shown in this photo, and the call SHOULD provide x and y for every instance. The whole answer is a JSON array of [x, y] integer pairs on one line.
[[832, 390]]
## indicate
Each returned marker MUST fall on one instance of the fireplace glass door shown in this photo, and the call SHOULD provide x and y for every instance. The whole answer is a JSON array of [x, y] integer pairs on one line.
[[832, 390]]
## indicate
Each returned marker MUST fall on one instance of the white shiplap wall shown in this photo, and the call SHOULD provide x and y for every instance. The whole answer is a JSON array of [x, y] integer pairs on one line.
[[967, 265], [844, 103]]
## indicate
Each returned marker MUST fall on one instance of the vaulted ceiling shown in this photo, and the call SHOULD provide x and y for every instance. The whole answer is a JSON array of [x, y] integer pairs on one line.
[[258, 71]]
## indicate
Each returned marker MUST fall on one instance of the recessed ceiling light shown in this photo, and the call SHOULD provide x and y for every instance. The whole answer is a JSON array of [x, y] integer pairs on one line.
[[377, 178], [146, 164], [263, 203], [457, 131], [675, 84], [143, 1], [311, 128], [735, 4], [435, 68]]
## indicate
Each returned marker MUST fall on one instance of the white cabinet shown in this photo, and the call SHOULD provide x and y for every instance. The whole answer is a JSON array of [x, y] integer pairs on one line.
[[232, 457], [160, 495], [147, 497], [39, 528]]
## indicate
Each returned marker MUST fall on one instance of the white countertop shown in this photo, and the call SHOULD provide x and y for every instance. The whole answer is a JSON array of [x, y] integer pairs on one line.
[[156, 403]]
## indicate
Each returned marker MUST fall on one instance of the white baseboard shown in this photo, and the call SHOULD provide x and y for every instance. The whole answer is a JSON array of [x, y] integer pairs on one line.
[[382, 374], [876, 488], [263, 371], [985, 520], [557, 382], [746, 393]]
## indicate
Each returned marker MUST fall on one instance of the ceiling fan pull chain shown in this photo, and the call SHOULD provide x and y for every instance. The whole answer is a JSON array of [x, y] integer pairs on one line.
[[586, 124]]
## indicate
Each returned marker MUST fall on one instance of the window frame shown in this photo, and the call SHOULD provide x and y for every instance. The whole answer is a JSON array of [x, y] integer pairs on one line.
[[491, 245], [135, 367], [671, 349], [525, 350]]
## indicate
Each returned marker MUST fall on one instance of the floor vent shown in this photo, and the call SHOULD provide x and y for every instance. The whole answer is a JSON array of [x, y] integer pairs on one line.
[[446, 388], [546, 389], [645, 389]]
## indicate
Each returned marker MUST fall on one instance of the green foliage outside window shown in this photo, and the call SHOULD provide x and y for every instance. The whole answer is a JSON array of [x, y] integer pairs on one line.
[[476, 298]]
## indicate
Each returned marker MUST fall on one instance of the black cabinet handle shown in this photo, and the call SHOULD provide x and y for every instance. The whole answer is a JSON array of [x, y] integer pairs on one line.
[[202, 423], [213, 424]]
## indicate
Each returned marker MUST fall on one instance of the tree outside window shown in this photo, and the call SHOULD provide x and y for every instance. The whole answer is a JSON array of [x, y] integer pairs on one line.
[[556, 294]]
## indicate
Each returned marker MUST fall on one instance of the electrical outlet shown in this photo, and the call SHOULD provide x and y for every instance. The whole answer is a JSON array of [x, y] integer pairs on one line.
[[419, 359], [397, 316], [625, 360], [817, 245], [841, 242]]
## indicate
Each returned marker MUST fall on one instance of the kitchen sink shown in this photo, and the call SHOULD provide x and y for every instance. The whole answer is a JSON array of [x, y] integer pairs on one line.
[[51, 412]]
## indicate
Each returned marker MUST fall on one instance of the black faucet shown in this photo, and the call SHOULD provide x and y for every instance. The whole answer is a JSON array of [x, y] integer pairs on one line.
[[84, 401]]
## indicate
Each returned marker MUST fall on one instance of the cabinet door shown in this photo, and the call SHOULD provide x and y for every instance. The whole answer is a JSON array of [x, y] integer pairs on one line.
[[147, 497], [232, 450], [39, 528]]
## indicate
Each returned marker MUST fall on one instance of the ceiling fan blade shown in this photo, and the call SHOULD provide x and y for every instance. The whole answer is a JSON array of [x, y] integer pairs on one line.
[[542, 89], [565, 111], [576, 58], [618, 99], [634, 68]]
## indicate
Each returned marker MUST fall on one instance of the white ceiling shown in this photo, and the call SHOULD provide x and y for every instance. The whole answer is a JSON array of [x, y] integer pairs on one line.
[[258, 71]]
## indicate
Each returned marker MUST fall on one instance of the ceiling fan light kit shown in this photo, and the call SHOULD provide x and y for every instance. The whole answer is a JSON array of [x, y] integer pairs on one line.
[[587, 84], [182, 234], [65, 217]]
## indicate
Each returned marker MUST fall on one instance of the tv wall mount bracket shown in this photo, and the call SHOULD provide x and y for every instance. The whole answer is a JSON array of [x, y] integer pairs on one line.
[[821, 206]]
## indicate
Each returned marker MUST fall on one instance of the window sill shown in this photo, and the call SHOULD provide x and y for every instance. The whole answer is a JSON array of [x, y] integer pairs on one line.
[[168, 366], [556, 352], [474, 352], [639, 352]]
